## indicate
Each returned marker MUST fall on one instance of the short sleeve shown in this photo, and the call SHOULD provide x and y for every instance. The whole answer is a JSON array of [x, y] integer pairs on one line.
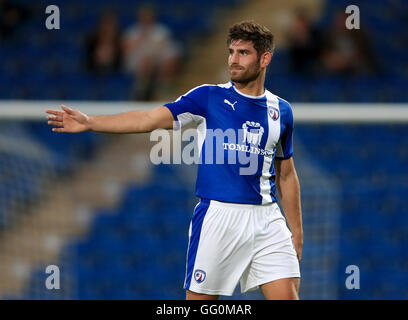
[[284, 148], [190, 107]]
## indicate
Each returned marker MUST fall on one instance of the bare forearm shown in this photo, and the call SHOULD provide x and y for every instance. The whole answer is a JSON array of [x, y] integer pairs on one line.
[[289, 193], [129, 122], [74, 121]]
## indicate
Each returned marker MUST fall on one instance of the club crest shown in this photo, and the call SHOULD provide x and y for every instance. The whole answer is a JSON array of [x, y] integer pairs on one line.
[[199, 275], [273, 113]]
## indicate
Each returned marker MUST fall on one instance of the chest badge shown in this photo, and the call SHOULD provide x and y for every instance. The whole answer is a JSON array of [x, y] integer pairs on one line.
[[253, 132], [273, 113]]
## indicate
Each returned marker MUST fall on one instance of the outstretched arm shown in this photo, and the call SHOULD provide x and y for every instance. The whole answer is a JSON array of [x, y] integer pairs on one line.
[[74, 121], [288, 187]]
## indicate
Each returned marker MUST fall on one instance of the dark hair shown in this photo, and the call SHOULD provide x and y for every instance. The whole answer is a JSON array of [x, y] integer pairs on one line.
[[260, 36]]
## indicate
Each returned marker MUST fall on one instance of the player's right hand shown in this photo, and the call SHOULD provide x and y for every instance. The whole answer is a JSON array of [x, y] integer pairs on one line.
[[68, 120]]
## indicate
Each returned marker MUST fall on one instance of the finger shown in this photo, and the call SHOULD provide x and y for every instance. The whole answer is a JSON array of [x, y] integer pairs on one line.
[[67, 110], [58, 129], [55, 123], [54, 118], [55, 112]]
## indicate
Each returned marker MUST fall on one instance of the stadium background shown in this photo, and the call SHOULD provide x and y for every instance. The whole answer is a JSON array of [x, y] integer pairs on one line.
[[116, 225]]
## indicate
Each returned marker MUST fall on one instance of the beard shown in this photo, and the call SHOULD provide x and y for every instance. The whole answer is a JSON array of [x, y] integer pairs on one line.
[[245, 76]]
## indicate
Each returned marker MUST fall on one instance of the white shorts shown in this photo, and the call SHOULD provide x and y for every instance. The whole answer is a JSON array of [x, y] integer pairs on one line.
[[231, 242]]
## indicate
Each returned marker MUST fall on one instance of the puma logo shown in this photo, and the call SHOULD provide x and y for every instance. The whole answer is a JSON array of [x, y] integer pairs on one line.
[[231, 104]]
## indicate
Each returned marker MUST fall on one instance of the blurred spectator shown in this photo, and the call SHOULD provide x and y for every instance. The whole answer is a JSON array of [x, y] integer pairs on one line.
[[103, 51], [11, 16], [304, 45], [347, 52], [150, 55]]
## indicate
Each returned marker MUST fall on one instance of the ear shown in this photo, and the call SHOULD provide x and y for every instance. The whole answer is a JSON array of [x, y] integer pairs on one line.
[[265, 59]]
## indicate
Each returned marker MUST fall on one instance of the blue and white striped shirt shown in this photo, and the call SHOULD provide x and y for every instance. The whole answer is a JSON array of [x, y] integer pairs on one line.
[[263, 127]]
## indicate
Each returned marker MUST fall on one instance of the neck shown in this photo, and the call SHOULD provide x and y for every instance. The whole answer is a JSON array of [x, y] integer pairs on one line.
[[253, 88]]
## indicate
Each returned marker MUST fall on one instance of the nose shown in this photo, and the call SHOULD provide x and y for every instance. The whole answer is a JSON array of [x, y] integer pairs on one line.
[[233, 58]]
